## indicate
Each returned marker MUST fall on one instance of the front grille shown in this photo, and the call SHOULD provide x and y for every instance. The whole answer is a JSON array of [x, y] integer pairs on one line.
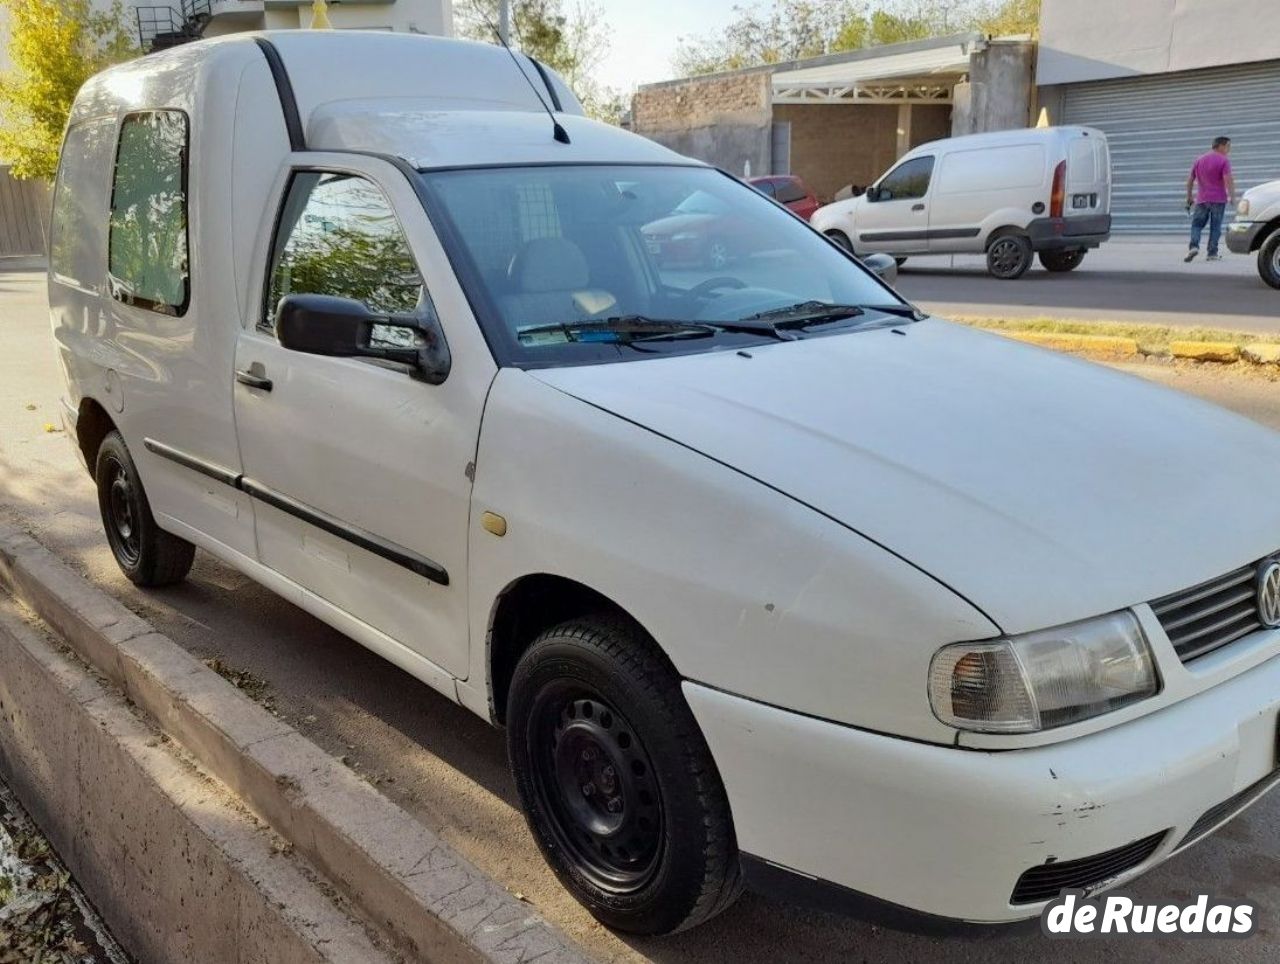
[[1229, 807], [1211, 615], [1049, 880]]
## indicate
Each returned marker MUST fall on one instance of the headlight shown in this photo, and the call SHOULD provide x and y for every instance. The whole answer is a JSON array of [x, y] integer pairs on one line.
[[1045, 679], [1242, 208]]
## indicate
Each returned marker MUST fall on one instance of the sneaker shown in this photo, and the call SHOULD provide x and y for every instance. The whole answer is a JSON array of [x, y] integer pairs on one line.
[[1214, 257], [1191, 255]]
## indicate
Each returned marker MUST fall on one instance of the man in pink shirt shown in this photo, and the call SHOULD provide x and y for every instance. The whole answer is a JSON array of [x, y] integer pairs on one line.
[[1213, 188]]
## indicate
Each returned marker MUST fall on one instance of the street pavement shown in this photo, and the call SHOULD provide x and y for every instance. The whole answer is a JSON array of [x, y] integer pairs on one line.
[[449, 769], [1131, 280]]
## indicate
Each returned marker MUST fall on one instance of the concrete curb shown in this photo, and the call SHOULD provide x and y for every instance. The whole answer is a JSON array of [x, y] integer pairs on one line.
[[1121, 346], [429, 899], [177, 870], [1111, 345]]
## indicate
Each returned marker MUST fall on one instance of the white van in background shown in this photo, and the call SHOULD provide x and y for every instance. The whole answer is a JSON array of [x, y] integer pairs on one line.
[[1009, 195]]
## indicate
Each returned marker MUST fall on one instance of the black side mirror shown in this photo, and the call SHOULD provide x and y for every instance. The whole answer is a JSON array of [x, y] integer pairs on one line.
[[883, 266], [344, 327], [872, 194]]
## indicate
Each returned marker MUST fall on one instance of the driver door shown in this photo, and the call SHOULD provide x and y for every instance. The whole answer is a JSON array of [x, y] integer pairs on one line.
[[358, 472], [894, 214]]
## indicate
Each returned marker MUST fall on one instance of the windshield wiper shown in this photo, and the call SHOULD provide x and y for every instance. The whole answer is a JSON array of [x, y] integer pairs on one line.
[[806, 313], [650, 329]]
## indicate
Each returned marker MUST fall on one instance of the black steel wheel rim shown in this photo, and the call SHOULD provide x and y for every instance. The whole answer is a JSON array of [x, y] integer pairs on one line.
[[1006, 256], [122, 515], [595, 782]]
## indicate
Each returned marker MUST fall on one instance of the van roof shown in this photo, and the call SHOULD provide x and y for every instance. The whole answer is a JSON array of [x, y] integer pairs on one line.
[[1019, 135], [435, 102]]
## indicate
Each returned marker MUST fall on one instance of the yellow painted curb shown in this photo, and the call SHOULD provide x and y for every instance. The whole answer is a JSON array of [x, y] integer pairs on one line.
[[1215, 351], [1113, 345], [1261, 354]]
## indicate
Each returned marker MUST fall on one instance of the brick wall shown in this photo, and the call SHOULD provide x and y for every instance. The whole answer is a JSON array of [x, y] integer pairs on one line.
[[721, 120]]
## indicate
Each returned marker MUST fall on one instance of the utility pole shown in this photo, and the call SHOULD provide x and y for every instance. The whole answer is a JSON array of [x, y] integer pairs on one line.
[[504, 20]]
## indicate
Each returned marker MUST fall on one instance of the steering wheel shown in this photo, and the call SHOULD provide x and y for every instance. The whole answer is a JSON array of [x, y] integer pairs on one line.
[[704, 289]]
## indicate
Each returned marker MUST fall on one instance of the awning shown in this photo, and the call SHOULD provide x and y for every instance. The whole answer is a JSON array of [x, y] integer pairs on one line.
[[914, 76]]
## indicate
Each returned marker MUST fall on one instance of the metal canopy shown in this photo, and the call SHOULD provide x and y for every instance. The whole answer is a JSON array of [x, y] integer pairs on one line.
[[916, 76]]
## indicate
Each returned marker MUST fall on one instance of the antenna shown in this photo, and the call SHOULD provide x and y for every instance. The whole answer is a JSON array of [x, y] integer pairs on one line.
[[557, 129]]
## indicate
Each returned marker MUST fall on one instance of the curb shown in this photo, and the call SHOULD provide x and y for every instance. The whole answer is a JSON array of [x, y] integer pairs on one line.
[[1262, 354], [1111, 345], [429, 899], [180, 873]]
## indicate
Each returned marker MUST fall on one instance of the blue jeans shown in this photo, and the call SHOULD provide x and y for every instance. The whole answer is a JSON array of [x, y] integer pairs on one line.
[[1210, 213]]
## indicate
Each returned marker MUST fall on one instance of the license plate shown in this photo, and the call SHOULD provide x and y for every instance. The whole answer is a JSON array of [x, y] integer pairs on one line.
[[1083, 200]]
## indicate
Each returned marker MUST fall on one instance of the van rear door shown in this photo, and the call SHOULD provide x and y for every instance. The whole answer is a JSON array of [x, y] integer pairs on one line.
[[1088, 185]]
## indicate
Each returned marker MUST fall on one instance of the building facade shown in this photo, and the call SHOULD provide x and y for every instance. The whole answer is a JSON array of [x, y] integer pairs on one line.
[[843, 119], [1163, 78]]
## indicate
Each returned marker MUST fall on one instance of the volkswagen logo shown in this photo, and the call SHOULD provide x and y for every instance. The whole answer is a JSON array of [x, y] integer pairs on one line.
[[1269, 593]]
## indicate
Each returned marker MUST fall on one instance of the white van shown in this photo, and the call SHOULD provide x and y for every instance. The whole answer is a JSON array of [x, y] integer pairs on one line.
[[758, 567], [1010, 195]]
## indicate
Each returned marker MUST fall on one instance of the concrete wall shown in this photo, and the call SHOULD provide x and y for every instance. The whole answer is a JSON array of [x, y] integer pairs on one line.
[[999, 94], [722, 119], [406, 16], [1096, 39]]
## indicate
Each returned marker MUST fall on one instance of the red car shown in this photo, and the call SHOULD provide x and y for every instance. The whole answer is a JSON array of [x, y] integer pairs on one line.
[[789, 191]]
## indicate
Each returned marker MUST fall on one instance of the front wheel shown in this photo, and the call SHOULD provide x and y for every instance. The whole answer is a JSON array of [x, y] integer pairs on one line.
[[616, 781], [1009, 257], [1062, 259], [145, 553], [840, 238], [1269, 260]]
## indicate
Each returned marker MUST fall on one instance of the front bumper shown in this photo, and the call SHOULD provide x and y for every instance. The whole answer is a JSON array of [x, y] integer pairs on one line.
[[1086, 231], [1242, 236], [946, 832]]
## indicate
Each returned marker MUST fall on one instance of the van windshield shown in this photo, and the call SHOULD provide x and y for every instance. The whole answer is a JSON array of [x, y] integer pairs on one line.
[[569, 264]]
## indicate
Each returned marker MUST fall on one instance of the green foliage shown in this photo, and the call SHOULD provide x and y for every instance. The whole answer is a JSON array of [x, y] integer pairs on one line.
[[54, 47], [796, 29], [573, 41]]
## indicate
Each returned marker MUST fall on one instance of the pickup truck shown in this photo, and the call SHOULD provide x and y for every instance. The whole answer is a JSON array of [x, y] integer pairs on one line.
[[770, 578], [1257, 228]]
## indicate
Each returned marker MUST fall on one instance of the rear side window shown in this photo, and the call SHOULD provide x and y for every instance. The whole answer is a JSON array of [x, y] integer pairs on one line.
[[766, 188], [992, 169], [339, 236], [791, 190], [147, 246], [78, 233], [908, 180]]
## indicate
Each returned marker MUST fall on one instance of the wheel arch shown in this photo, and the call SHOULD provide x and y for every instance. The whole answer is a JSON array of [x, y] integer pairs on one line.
[[525, 608], [1004, 231], [93, 424], [1263, 236]]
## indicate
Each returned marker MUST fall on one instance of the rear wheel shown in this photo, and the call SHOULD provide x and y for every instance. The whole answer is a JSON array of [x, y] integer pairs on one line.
[[1269, 259], [840, 238], [1062, 259], [145, 553], [1009, 256], [616, 781]]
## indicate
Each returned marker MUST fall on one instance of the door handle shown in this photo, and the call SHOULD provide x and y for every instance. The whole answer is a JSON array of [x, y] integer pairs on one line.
[[253, 380], [917, 207]]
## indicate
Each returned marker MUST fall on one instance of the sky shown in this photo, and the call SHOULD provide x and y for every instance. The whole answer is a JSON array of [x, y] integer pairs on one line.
[[645, 34]]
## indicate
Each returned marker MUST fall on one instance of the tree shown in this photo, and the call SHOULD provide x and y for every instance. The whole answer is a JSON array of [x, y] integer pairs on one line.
[[796, 29], [54, 46], [571, 41]]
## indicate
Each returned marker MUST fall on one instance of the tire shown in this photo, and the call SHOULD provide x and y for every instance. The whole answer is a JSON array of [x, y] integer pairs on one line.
[[1009, 256], [145, 553], [1061, 259], [1269, 259], [617, 783], [840, 238]]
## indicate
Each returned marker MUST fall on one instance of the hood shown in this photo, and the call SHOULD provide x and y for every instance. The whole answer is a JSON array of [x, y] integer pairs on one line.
[[1040, 487]]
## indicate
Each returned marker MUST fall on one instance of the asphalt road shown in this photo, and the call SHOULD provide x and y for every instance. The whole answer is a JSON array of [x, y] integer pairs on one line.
[[449, 769], [1128, 280]]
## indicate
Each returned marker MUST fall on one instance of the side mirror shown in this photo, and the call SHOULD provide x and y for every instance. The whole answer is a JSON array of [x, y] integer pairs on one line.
[[883, 266], [344, 327], [872, 194]]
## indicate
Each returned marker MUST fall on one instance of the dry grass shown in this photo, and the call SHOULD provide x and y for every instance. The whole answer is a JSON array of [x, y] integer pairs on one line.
[[1152, 339]]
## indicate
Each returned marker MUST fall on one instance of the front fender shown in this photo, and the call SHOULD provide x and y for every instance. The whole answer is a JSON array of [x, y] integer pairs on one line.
[[746, 589]]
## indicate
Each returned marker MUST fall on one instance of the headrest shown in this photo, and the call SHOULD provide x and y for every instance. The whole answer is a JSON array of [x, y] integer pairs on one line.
[[549, 264]]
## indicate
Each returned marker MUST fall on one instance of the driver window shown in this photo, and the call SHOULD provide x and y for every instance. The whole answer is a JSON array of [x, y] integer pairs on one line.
[[339, 236], [908, 180]]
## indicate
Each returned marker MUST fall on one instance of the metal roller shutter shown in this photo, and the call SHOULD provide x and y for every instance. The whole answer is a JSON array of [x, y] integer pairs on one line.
[[1159, 124]]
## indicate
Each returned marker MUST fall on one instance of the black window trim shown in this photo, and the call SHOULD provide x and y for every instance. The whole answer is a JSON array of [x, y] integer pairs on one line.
[[160, 308]]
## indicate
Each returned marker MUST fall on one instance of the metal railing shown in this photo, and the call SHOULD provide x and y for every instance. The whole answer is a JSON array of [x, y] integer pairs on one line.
[[169, 25]]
